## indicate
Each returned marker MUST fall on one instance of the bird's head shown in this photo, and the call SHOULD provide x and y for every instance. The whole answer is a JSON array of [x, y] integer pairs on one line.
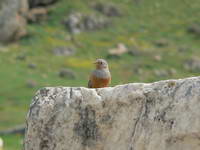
[[101, 64]]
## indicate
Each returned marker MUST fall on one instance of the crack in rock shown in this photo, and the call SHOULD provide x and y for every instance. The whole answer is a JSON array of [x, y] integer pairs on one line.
[[86, 128]]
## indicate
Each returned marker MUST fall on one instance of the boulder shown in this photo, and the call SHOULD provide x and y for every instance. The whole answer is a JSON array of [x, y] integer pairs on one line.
[[36, 3], [163, 115], [194, 29], [37, 15], [192, 64], [19, 130], [32, 66], [12, 19], [78, 22], [118, 51], [161, 43], [67, 73], [1, 143], [64, 51], [31, 84], [109, 10]]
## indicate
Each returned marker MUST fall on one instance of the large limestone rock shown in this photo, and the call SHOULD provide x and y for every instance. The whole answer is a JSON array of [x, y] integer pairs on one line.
[[160, 116], [12, 19]]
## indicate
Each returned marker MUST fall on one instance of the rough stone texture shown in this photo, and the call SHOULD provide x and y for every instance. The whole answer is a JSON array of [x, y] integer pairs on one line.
[[163, 115], [109, 10], [12, 21], [192, 64], [78, 22], [37, 15], [36, 3]]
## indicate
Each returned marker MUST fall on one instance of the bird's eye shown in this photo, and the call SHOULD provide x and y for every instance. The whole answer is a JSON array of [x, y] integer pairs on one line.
[[101, 63]]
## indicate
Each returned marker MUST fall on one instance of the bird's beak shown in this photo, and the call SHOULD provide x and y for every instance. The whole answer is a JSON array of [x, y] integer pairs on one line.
[[95, 62]]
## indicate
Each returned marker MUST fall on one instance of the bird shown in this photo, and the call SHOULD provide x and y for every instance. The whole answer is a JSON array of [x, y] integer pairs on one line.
[[100, 77]]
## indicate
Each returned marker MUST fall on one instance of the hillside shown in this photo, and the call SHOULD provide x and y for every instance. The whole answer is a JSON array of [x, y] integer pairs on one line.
[[162, 39]]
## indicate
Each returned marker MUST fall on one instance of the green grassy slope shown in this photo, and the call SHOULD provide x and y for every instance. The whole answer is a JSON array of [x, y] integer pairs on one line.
[[140, 26]]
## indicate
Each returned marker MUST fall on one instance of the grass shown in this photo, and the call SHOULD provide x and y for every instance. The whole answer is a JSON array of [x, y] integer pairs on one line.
[[140, 26]]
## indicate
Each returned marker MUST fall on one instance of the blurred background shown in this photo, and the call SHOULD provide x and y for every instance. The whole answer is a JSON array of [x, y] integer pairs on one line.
[[54, 42]]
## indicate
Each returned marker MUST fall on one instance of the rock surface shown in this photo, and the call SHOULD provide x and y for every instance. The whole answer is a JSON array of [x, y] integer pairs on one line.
[[37, 15], [163, 115], [78, 22], [109, 10], [192, 64], [64, 51], [36, 3], [12, 19]]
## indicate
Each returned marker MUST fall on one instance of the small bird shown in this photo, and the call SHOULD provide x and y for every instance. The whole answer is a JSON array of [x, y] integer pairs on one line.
[[101, 76]]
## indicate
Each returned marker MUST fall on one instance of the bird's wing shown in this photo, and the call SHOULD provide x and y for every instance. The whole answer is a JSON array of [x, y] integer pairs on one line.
[[89, 84]]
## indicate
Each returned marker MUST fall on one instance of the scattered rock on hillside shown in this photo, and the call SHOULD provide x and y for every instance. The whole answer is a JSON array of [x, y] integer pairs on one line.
[[73, 23], [21, 57], [165, 72], [109, 10], [36, 3], [67, 73], [31, 83], [183, 49], [157, 58], [37, 15], [77, 22], [19, 130], [172, 71], [194, 29], [161, 73], [138, 71], [32, 66], [161, 43], [64, 51], [192, 64], [12, 20], [118, 51], [134, 51]]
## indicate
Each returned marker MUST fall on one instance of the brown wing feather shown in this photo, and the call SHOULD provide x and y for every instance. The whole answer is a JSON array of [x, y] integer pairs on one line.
[[89, 84]]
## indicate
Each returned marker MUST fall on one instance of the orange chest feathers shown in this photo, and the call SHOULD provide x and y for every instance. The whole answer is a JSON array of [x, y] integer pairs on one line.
[[100, 82]]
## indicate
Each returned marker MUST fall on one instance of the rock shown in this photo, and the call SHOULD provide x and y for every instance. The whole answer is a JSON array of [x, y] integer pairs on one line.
[[77, 22], [16, 130], [161, 43], [118, 51], [192, 64], [172, 71], [161, 73], [183, 49], [31, 84], [38, 3], [138, 71], [67, 73], [37, 15], [32, 66], [194, 29], [163, 115], [64, 51], [165, 72], [4, 48], [109, 10], [1, 143], [134, 51], [12, 21], [157, 57], [73, 23], [21, 57]]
